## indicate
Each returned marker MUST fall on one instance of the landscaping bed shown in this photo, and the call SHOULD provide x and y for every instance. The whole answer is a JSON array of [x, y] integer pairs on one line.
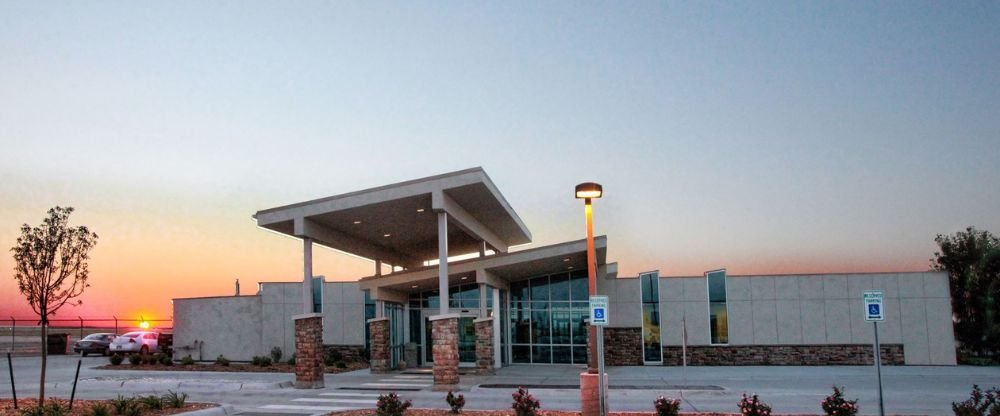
[[232, 368], [446, 412], [84, 407]]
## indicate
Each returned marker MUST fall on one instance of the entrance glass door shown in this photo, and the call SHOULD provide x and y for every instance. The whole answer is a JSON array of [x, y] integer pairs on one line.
[[466, 340], [394, 312]]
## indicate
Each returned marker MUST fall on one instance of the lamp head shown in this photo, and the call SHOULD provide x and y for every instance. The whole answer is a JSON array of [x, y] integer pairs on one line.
[[589, 190]]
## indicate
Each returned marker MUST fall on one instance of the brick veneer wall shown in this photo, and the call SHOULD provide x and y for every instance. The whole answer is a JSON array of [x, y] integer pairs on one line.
[[444, 333], [484, 346], [623, 346], [379, 329], [309, 352], [833, 354], [351, 353]]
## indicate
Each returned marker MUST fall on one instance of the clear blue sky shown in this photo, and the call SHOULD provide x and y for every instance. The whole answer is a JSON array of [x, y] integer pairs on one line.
[[759, 136]]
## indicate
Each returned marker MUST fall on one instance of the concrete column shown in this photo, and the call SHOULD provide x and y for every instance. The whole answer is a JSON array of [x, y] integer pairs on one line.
[[482, 249], [443, 261], [378, 267], [497, 345], [483, 293], [444, 332], [307, 274]]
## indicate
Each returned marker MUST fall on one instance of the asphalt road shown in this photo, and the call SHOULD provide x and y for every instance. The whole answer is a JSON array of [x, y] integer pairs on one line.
[[909, 390]]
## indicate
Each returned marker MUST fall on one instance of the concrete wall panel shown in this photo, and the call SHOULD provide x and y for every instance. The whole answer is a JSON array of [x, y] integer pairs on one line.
[[940, 332], [810, 287], [914, 327], [741, 322], [813, 321], [765, 322], [835, 286], [737, 288], [671, 316], [858, 284], [936, 286], [696, 290], [671, 289], [786, 288], [838, 325], [911, 285], [762, 287], [228, 326], [886, 282], [789, 319], [697, 322]]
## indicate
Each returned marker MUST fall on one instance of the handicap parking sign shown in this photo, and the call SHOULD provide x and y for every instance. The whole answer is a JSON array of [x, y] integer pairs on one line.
[[599, 310], [873, 305]]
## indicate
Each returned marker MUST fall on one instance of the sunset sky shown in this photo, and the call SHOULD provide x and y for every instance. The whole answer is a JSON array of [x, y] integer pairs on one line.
[[764, 137]]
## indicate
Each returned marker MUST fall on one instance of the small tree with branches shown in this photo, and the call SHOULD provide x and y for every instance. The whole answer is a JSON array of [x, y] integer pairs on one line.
[[51, 269]]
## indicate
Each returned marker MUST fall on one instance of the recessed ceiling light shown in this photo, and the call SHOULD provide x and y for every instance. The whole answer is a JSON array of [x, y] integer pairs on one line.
[[420, 210], [465, 277], [386, 235], [569, 267], [357, 221], [566, 259], [414, 286]]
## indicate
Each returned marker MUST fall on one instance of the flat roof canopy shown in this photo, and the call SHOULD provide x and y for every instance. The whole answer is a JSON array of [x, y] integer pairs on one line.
[[397, 223]]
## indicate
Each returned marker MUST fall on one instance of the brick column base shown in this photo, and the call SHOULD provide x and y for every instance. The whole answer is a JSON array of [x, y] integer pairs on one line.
[[379, 328], [590, 402], [484, 345], [308, 351], [444, 333]]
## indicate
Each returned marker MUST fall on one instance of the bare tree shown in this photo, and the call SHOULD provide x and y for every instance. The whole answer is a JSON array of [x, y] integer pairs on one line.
[[51, 269]]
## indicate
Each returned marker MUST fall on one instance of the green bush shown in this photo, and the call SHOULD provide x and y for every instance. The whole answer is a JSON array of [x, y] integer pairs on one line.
[[837, 405], [524, 403], [150, 359], [50, 408], [331, 357], [166, 359], [363, 353], [116, 359], [667, 407], [175, 400], [752, 406], [99, 409], [187, 360], [979, 403], [135, 359], [291, 360], [276, 354], [121, 404], [340, 364], [390, 405], [222, 361], [151, 402], [261, 361], [456, 403], [33, 411]]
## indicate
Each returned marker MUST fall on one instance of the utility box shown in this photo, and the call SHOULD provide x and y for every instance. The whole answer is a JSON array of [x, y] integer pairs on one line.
[[58, 344]]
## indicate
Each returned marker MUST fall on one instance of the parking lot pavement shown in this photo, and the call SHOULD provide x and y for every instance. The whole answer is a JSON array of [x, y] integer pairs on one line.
[[908, 390]]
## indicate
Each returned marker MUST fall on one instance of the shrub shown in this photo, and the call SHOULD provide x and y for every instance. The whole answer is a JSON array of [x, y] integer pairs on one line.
[[455, 402], [363, 353], [836, 405], [135, 359], [524, 403], [752, 406], [116, 359], [33, 411], [332, 357], [390, 405], [121, 404], [276, 354], [150, 359], [175, 400], [667, 407], [187, 360], [50, 408], [979, 403], [261, 361], [133, 409], [340, 364], [166, 359], [221, 361], [99, 409], [151, 402], [291, 360]]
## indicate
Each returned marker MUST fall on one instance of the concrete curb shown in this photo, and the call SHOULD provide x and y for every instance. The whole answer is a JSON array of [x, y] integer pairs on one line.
[[220, 410]]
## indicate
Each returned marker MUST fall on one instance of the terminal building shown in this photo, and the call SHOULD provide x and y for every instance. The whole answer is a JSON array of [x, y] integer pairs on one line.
[[446, 284]]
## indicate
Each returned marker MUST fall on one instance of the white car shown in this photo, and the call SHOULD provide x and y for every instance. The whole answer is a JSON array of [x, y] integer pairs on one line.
[[141, 342]]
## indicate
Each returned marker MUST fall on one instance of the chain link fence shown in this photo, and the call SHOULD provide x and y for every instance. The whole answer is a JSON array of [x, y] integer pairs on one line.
[[22, 335]]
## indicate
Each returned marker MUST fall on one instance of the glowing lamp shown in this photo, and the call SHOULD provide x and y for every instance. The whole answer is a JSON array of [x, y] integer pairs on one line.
[[589, 190]]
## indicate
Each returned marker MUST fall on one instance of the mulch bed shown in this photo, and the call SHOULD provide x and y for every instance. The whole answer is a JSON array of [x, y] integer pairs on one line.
[[82, 407], [446, 412], [232, 368]]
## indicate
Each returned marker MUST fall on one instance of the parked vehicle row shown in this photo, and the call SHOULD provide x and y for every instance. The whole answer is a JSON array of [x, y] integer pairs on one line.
[[142, 342]]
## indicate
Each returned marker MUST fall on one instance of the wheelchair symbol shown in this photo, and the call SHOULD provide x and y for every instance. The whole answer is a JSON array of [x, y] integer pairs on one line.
[[598, 313], [873, 310]]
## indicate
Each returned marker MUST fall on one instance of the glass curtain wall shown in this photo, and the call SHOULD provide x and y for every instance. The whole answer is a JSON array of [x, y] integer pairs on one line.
[[369, 314], [465, 298], [650, 288], [717, 310], [547, 319]]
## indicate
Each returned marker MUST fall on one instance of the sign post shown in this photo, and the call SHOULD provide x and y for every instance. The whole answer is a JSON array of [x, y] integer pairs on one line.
[[874, 312], [599, 318]]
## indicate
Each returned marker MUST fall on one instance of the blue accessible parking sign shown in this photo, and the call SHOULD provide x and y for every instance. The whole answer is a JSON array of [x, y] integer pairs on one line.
[[599, 310], [873, 305]]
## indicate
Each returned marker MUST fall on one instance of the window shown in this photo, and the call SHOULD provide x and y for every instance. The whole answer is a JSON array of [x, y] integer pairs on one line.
[[546, 319], [717, 311], [650, 288]]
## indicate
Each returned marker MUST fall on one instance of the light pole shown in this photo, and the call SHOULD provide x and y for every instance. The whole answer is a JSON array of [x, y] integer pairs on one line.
[[588, 191]]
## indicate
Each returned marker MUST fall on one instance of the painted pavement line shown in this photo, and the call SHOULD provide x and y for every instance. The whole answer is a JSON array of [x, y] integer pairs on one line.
[[314, 400], [351, 394], [296, 407], [396, 384]]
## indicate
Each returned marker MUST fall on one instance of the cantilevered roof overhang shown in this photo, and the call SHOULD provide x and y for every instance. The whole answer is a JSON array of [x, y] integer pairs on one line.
[[397, 224], [498, 270]]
